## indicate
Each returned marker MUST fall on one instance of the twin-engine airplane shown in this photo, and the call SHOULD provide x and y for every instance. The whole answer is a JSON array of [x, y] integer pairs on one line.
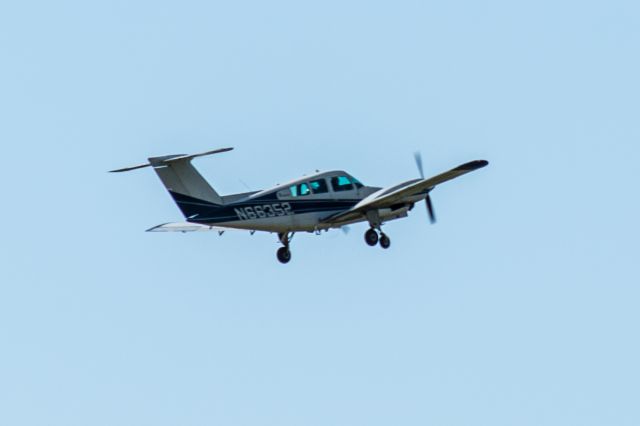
[[311, 204]]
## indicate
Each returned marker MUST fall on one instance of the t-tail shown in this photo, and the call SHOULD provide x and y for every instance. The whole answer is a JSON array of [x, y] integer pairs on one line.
[[191, 192]]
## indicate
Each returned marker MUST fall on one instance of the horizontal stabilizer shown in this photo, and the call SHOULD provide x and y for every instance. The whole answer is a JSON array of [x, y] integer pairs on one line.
[[186, 227], [202, 154], [171, 158], [126, 169]]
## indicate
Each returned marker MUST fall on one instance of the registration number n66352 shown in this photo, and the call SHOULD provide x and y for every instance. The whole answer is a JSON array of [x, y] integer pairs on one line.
[[264, 211]]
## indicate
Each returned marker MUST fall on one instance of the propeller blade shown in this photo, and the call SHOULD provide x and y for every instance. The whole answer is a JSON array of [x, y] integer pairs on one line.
[[432, 215], [418, 157]]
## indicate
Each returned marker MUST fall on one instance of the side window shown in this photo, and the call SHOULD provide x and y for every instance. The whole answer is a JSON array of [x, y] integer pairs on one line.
[[356, 182], [299, 190], [319, 186], [303, 189], [341, 183]]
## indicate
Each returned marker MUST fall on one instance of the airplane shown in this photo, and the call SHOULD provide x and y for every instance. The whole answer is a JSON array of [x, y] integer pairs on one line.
[[314, 203]]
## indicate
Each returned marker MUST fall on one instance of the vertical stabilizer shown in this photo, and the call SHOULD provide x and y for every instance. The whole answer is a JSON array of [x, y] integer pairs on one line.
[[179, 176], [182, 179]]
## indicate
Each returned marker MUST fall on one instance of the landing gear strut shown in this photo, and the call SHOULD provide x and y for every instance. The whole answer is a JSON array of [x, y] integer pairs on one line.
[[283, 253]]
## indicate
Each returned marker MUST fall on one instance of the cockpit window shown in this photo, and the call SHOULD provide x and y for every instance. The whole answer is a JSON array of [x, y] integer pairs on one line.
[[341, 183], [319, 186], [300, 190]]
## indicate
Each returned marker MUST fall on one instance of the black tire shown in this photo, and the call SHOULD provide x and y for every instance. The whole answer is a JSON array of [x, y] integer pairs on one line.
[[371, 237], [385, 242], [284, 255]]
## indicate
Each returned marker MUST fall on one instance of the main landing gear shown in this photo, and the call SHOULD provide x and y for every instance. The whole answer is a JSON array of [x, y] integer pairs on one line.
[[371, 238], [284, 253]]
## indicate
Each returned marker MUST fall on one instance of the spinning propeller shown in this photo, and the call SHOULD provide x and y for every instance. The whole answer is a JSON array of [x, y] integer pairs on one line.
[[432, 215]]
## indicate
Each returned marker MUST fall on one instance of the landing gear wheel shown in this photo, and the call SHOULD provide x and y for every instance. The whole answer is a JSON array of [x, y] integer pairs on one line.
[[371, 237], [284, 255], [385, 242]]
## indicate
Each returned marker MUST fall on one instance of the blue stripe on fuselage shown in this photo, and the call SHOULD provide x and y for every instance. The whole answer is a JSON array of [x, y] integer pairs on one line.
[[210, 213]]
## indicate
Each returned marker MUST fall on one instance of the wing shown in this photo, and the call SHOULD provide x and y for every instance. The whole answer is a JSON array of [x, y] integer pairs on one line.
[[404, 192], [187, 227]]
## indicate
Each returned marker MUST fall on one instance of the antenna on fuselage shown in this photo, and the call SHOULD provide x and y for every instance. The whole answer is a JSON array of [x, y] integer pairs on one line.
[[244, 184]]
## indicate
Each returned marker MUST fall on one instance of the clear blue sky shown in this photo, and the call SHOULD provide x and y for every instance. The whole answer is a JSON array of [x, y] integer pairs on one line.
[[520, 307]]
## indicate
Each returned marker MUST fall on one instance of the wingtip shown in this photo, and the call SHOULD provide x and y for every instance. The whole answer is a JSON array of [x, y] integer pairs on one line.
[[154, 228], [473, 165], [128, 169]]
